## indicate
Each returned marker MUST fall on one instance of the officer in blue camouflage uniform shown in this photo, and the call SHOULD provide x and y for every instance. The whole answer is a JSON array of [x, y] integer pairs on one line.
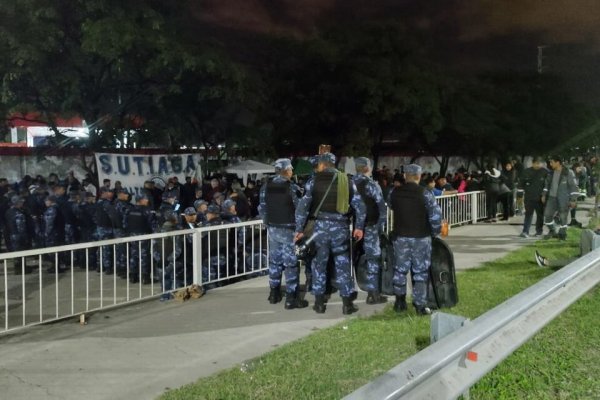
[[278, 200], [106, 219], [332, 228], [371, 194], [140, 220], [69, 209], [314, 162], [213, 258], [54, 231], [17, 233], [167, 254], [87, 226], [123, 206], [200, 206], [416, 219]]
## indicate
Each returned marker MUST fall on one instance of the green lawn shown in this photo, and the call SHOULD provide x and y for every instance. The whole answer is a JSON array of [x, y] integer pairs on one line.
[[560, 362]]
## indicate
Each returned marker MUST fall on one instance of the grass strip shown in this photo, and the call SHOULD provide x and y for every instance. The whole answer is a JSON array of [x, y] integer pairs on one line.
[[560, 362]]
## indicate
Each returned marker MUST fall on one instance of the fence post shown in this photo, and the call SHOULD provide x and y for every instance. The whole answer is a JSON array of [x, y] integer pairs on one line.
[[474, 210], [196, 254]]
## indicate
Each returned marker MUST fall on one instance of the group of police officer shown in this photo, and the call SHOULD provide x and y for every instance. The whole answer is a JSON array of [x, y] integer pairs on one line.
[[48, 217], [331, 204]]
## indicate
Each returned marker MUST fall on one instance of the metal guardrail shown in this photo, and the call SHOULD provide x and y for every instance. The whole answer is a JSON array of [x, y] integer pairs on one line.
[[209, 256], [447, 368], [463, 208]]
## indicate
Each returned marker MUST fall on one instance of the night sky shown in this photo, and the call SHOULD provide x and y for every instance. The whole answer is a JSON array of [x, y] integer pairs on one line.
[[472, 35]]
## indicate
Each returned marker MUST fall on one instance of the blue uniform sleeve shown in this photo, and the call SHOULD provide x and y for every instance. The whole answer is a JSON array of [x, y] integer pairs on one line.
[[360, 210], [434, 213], [295, 190], [377, 195], [304, 206], [262, 205]]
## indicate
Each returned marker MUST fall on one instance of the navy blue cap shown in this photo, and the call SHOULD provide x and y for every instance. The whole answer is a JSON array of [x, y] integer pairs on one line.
[[327, 157], [213, 209], [190, 211], [413, 169], [362, 162], [283, 164]]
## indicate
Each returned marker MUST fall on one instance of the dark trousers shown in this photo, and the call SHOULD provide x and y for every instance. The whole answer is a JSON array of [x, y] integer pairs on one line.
[[492, 204], [530, 207]]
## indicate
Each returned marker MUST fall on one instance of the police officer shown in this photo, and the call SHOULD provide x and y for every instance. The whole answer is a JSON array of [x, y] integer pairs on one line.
[[140, 220], [69, 210], [229, 212], [106, 219], [278, 201], [371, 194], [560, 194], [200, 206], [17, 232], [54, 230], [416, 218], [333, 194], [87, 228], [122, 206]]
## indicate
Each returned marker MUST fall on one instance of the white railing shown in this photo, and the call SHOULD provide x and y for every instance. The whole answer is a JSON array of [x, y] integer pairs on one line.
[[463, 208], [210, 256]]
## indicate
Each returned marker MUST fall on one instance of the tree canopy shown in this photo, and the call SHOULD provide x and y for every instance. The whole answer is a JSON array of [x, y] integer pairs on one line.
[[143, 73]]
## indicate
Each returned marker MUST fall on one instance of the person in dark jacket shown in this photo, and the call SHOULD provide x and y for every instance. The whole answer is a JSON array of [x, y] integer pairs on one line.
[[491, 185], [532, 183]]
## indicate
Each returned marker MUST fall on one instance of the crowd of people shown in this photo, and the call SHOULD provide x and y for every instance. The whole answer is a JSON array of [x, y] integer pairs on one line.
[[44, 212], [39, 212]]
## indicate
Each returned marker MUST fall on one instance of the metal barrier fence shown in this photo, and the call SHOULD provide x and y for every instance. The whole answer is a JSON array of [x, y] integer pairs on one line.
[[210, 256], [463, 208], [450, 366], [65, 282]]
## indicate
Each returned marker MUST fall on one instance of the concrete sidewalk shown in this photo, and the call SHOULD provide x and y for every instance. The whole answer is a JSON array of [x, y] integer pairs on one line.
[[139, 351]]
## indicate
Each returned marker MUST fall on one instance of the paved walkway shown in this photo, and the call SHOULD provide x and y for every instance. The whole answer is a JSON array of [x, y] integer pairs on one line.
[[139, 351]]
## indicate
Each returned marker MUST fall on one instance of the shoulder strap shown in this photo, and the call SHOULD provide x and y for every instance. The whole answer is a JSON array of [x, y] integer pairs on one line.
[[325, 195]]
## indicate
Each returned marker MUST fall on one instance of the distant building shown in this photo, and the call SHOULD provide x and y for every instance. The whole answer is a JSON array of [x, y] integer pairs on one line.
[[29, 129]]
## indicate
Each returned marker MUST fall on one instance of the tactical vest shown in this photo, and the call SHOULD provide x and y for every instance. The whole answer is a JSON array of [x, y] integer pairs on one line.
[[106, 215], [137, 223], [280, 205], [322, 181], [372, 209], [410, 215]]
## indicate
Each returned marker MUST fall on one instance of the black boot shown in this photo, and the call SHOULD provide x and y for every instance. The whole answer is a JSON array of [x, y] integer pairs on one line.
[[308, 284], [348, 307], [319, 305], [292, 300], [376, 298], [400, 304], [275, 295], [422, 310], [562, 233]]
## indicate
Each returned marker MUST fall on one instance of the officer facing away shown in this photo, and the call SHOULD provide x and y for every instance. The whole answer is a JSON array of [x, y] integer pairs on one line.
[[332, 194], [371, 194], [277, 207], [416, 218]]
